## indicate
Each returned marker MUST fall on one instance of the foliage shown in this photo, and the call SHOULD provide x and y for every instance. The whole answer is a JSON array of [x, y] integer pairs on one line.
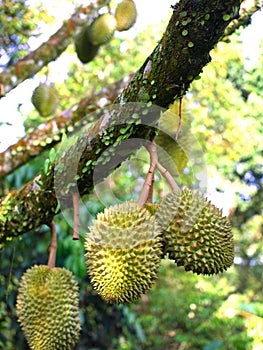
[[185, 311], [182, 311], [20, 21]]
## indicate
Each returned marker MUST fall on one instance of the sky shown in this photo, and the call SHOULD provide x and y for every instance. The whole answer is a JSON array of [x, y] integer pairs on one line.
[[9, 134]]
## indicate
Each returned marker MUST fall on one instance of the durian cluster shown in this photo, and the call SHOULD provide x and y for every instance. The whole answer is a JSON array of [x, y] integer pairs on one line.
[[124, 248], [126, 243], [102, 29]]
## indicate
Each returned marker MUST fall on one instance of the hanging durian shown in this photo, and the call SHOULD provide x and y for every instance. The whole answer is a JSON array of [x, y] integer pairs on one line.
[[45, 99], [48, 308], [125, 15], [85, 50], [102, 29], [196, 234], [174, 154], [123, 251]]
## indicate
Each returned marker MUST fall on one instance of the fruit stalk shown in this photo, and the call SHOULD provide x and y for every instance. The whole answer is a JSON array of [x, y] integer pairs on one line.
[[75, 199], [148, 183], [165, 173], [53, 246]]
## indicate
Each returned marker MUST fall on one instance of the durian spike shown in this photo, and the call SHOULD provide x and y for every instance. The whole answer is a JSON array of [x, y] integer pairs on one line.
[[75, 200], [53, 246]]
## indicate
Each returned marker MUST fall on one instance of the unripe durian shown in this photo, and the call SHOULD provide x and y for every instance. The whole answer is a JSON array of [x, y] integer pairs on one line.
[[45, 99], [173, 155], [196, 234], [85, 50], [123, 251], [48, 308], [102, 29], [125, 15]]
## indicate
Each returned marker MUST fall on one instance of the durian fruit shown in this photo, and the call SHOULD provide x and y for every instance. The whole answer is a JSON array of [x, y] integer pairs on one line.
[[125, 15], [102, 29], [47, 308], [174, 154], [196, 234], [85, 50], [123, 251], [45, 99]]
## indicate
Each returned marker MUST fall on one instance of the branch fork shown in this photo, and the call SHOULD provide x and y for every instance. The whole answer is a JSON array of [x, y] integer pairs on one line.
[[147, 189]]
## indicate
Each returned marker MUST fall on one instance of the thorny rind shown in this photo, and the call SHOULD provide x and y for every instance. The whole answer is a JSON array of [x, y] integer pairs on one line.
[[164, 76]]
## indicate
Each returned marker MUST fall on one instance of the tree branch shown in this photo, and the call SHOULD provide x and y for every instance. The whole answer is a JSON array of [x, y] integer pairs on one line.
[[195, 27], [245, 17], [47, 134], [47, 52]]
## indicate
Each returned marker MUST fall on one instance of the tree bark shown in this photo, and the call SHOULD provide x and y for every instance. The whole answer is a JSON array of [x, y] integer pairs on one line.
[[194, 29], [48, 134]]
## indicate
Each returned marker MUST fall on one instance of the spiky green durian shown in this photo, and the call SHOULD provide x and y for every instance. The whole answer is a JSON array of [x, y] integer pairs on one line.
[[196, 234], [102, 29], [125, 15], [85, 50], [123, 251], [47, 308], [45, 99]]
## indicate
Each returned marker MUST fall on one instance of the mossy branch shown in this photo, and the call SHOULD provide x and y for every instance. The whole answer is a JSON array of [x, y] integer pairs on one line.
[[245, 17], [194, 29], [47, 52], [47, 134], [34, 143]]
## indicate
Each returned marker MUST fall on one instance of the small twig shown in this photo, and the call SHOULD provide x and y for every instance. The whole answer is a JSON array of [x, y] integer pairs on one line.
[[179, 128], [53, 246], [150, 194], [165, 173], [75, 199], [149, 181]]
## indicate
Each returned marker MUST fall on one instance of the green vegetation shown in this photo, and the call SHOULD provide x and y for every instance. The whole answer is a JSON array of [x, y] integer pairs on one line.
[[223, 111]]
